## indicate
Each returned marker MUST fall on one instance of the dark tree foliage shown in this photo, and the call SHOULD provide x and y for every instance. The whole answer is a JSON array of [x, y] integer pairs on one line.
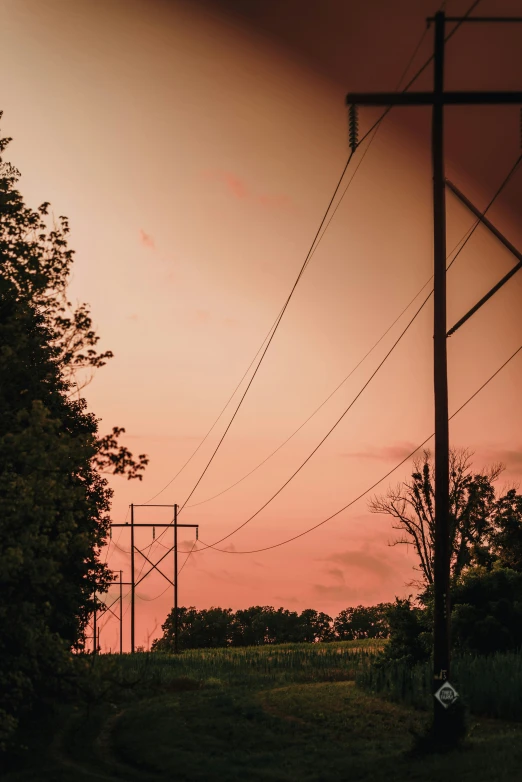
[[53, 510], [54, 501], [260, 625], [487, 611], [363, 622], [410, 636], [507, 536]]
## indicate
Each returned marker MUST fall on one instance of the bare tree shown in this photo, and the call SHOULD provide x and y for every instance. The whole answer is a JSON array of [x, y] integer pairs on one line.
[[472, 504]]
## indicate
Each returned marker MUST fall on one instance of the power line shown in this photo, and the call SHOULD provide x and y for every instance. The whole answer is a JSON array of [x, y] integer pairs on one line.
[[463, 243], [303, 267], [275, 325], [361, 361], [218, 418], [188, 556], [270, 336], [310, 253], [381, 479], [313, 247]]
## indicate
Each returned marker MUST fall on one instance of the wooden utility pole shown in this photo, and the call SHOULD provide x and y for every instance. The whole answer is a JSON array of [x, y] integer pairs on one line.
[[176, 623], [94, 635], [442, 555], [438, 99], [133, 596], [121, 611], [154, 565]]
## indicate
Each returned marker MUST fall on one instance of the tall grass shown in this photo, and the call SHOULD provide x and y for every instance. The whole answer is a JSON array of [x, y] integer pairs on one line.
[[254, 665], [490, 686]]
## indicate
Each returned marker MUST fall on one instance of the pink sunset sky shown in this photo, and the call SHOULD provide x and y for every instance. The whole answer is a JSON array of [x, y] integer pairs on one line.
[[194, 149]]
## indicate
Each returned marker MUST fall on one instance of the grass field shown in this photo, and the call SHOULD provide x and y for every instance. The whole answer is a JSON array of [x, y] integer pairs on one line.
[[278, 713]]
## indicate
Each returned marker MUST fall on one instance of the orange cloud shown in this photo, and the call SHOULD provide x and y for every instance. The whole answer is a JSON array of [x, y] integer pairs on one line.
[[234, 185], [239, 189], [389, 453], [360, 559], [147, 240], [202, 316]]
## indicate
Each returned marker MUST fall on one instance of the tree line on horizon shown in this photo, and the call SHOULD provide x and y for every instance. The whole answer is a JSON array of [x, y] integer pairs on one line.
[[259, 625]]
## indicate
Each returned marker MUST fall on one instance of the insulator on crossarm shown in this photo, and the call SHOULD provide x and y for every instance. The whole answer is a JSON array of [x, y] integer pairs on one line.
[[353, 127], [110, 532], [197, 533], [154, 533]]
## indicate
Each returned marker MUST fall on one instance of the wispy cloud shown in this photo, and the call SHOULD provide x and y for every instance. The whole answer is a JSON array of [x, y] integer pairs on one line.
[[387, 453], [237, 188], [363, 561], [337, 573], [512, 458], [288, 600], [338, 592], [202, 316], [147, 240]]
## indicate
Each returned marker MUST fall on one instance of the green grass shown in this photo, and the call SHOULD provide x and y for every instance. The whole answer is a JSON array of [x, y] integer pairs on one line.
[[262, 665], [275, 713], [491, 686], [310, 732]]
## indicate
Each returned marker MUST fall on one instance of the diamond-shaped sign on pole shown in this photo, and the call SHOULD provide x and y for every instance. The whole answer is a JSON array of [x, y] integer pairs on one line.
[[447, 694]]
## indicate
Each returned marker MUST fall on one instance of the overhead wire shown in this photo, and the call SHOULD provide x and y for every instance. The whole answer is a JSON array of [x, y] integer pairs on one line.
[[269, 337], [381, 479], [217, 419], [380, 365], [274, 327], [318, 237], [376, 129], [286, 304], [462, 243]]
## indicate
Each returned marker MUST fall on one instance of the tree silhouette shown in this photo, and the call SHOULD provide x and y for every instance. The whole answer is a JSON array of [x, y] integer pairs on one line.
[[54, 500], [473, 507]]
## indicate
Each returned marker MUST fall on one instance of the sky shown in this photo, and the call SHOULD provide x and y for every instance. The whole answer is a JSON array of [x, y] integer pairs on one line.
[[194, 148]]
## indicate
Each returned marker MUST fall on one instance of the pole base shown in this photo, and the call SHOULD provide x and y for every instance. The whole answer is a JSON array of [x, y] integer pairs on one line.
[[447, 731]]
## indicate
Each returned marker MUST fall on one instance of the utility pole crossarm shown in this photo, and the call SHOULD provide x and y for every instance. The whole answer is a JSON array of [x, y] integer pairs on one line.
[[469, 98], [487, 19], [170, 524]]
